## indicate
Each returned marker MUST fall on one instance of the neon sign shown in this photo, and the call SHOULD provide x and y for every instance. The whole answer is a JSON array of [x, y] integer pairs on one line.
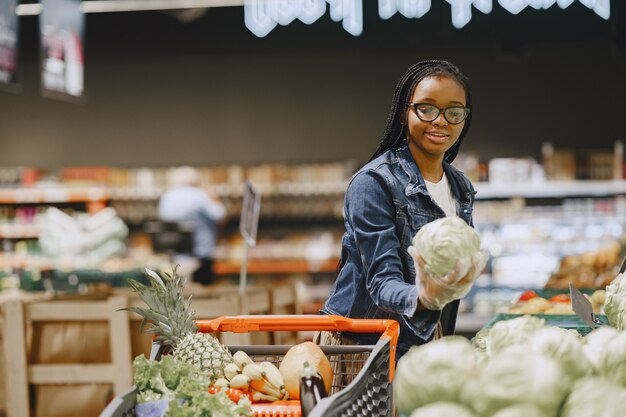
[[262, 16]]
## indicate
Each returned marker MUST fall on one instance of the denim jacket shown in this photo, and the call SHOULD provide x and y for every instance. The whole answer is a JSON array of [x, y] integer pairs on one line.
[[385, 205]]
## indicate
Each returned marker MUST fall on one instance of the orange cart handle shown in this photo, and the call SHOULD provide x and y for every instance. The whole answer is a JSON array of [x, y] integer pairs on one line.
[[262, 323]]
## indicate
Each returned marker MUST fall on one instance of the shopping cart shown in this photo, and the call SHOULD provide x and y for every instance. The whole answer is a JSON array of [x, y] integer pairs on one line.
[[365, 393]]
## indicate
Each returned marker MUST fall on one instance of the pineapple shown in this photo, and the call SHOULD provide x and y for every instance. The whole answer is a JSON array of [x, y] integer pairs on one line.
[[171, 320]]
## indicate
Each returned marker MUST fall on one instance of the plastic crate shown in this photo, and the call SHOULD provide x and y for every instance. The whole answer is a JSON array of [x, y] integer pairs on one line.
[[566, 321], [368, 394]]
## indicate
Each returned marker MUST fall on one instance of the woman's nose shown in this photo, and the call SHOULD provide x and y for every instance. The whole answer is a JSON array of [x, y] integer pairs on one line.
[[440, 120]]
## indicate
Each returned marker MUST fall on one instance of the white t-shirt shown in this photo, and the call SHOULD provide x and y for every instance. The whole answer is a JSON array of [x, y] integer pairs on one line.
[[442, 195]]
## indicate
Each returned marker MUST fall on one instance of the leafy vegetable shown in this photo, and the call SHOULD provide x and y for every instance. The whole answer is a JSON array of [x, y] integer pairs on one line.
[[520, 410], [442, 409], [615, 304], [443, 242], [517, 376], [612, 360], [512, 332], [565, 347], [594, 397], [436, 371], [204, 404], [595, 342], [167, 378], [187, 388]]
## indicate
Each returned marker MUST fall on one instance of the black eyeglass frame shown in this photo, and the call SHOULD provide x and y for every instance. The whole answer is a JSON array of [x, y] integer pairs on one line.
[[439, 111]]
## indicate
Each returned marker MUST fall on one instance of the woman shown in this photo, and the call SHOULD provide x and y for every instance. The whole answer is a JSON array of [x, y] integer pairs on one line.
[[407, 183]]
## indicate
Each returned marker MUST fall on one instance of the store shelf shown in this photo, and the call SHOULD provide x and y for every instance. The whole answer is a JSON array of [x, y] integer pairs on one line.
[[549, 189], [55, 194], [277, 267]]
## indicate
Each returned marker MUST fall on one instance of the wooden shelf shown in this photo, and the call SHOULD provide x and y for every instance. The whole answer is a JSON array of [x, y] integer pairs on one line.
[[53, 195], [276, 267], [550, 189]]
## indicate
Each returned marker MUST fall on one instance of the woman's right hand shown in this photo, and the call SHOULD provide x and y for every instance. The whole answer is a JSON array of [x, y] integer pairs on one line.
[[436, 291]]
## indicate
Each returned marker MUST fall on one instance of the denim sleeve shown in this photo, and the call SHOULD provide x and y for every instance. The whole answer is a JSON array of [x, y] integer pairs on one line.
[[371, 212]]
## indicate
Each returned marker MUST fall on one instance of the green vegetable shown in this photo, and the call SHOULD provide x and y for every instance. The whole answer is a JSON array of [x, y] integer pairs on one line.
[[615, 304], [518, 376], [565, 347], [436, 371], [511, 332], [595, 342], [612, 360], [442, 409], [520, 410], [186, 386], [167, 378], [203, 404], [443, 242], [595, 397]]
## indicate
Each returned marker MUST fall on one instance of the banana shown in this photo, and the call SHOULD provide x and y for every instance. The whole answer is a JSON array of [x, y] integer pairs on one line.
[[231, 370], [221, 382], [263, 386], [242, 359], [240, 381], [285, 394], [254, 371], [259, 396], [272, 374]]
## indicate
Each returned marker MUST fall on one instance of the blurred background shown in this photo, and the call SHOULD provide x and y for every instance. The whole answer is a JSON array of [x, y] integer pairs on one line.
[[295, 113]]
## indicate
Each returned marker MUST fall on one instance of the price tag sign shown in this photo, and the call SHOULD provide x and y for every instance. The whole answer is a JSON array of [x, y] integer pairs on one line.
[[250, 208]]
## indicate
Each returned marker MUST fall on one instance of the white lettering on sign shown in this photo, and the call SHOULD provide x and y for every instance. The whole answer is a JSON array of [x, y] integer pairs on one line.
[[262, 16]]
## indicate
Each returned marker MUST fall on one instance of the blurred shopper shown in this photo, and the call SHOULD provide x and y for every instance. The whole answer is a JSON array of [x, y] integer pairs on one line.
[[190, 206], [407, 183]]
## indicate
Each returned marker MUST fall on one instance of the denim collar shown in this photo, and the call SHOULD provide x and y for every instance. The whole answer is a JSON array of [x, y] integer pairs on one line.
[[416, 184]]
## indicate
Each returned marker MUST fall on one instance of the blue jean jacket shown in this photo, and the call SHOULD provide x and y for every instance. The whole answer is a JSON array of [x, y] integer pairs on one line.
[[385, 205]]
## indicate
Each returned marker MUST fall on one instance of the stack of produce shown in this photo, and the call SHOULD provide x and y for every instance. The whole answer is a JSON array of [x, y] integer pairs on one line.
[[198, 376], [532, 303], [518, 368]]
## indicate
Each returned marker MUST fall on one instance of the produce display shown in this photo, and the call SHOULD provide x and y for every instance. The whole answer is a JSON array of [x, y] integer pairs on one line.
[[591, 269], [532, 303], [519, 367]]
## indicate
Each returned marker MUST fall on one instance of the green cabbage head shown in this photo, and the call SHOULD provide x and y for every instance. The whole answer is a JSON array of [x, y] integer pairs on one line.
[[615, 304], [442, 409], [518, 376], [443, 242], [436, 371], [511, 332], [594, 396]]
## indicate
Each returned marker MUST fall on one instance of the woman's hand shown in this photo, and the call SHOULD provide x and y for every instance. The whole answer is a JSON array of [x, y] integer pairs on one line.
[[436, 291]]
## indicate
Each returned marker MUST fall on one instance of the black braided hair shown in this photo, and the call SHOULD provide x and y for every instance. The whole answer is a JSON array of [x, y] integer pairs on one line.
[[396, 130]]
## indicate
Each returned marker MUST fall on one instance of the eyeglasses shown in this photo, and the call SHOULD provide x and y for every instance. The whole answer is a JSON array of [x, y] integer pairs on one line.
[[428, 112]]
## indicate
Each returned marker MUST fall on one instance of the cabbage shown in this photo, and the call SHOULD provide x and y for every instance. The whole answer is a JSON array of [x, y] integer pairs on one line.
[[565, 347], [595, 397], [595, 343], [515, 377], [442, 409], [615, 304], [443, 242], [612, 359], [507, 333], [520, 410], [479, 341], [433, 372]]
